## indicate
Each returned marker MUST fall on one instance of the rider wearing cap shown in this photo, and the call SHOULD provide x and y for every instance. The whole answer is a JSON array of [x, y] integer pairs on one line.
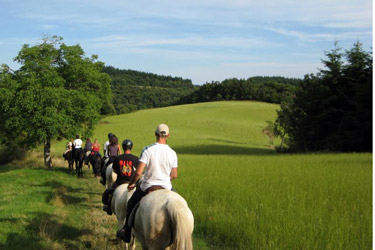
[[124, 166], [160, 162]]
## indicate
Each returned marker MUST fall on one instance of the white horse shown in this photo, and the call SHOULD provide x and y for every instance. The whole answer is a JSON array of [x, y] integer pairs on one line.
[[164, 221], [110, 176], [119, 202]]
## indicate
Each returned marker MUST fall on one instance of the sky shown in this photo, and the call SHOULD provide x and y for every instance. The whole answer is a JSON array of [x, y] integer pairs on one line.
[[201, 40]]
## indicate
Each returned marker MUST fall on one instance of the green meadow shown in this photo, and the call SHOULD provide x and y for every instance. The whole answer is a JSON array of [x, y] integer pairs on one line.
[[242, 193]]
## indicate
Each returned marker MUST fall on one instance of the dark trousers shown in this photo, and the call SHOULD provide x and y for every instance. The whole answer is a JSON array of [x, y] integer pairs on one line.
[[107, 193], [104, 167], [133, 201]]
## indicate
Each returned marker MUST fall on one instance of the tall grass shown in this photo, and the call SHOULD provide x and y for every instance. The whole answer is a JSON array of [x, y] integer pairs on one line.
[[318, 201]]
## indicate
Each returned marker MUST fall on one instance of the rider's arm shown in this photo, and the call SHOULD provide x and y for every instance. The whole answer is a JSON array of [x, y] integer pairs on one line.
[[136, 175], [174, 173]]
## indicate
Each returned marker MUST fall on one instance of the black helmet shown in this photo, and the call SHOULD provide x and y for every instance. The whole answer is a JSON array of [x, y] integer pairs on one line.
[[77, 136], [127, 144], [110, 135]]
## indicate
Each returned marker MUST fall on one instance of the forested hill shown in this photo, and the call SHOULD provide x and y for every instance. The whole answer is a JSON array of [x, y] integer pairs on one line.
[[139, 78], [258, 88], [134, 90]]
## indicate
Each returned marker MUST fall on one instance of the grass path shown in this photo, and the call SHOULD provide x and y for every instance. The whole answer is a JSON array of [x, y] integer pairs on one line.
[[52, 209]]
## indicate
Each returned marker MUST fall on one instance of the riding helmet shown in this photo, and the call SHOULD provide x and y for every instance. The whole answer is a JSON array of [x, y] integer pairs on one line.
[[110, 135], [127, 144]]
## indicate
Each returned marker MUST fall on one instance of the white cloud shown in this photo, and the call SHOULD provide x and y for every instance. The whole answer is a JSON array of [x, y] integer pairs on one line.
[[119, 41], [49, 27], [313, 37]]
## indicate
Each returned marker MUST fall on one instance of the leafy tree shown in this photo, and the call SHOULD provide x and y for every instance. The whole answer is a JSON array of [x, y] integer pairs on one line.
[[332, 110], [56, 93]]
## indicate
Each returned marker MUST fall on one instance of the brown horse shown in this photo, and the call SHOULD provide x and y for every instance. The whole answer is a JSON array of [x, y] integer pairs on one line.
[[95, 161], [69, 158], [79, 157]]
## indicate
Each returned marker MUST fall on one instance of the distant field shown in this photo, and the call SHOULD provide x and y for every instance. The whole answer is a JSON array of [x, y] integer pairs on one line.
[[213, 128], [243, 195]]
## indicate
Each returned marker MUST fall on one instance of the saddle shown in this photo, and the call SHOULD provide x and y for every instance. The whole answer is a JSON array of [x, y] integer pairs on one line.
[[134, 211], [153, 188]]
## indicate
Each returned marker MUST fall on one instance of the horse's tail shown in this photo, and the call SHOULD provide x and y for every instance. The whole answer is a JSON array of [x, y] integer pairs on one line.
[[182, 221]]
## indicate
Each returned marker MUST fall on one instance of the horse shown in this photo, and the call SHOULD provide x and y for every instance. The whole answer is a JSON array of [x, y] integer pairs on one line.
[[164, 221], [69, 158], [95, 161], [79, 157], [110, 176], [87, 158], [120, 199]]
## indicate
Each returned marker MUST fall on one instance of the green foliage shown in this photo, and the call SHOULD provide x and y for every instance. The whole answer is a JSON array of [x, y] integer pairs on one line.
[[134, 90], [265, 89], [138, 78], [56, 93], [332, 110]]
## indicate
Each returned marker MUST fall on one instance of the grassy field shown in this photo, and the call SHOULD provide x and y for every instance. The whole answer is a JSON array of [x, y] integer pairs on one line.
[[243, 195]]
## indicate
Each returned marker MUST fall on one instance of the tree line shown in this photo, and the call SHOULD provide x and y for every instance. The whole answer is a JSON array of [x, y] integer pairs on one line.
[[134, 90], [264, 89]]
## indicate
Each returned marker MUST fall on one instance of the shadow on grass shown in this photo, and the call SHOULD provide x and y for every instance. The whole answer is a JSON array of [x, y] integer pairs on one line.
[[7, 168], [61, 191], [10, 167], [212, 149], [43, 229]]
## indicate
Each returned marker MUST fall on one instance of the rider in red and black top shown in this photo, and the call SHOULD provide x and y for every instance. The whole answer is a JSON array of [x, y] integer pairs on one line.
[[124, 166]]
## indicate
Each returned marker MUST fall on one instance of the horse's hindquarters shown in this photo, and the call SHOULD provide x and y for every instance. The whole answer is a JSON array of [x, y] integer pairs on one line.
[[164, 218]]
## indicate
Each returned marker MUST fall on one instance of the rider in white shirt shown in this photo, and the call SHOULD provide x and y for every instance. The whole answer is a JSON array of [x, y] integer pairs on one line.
[[160, 164], [77, 143]]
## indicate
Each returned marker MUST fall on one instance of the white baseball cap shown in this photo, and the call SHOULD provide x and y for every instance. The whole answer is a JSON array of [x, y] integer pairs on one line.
[[162, 129]]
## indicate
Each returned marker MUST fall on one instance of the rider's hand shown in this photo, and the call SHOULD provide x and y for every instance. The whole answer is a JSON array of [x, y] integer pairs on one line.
[[131, 187]]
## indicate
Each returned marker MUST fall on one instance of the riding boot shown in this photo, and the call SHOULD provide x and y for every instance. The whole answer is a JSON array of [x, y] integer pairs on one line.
[[103, 180], [125, 234], [107, 209]]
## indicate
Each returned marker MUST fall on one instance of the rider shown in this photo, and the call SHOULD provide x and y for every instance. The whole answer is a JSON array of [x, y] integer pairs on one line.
[[68, 147], [105, 147], [87, 149], [160, 162], [95, 148], [124, 166], [105, 157], [113, 150], [77, 143]]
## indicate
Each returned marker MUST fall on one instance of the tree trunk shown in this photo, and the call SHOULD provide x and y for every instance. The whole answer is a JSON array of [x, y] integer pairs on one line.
[[47, 153], [282, 142]]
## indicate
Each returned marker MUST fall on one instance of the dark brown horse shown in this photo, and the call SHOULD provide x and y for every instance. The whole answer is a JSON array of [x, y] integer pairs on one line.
[[79, 157], [69, 158], [95, 161]]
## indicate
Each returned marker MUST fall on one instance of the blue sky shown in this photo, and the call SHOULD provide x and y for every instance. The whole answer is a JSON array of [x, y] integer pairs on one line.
[[203, 40]]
